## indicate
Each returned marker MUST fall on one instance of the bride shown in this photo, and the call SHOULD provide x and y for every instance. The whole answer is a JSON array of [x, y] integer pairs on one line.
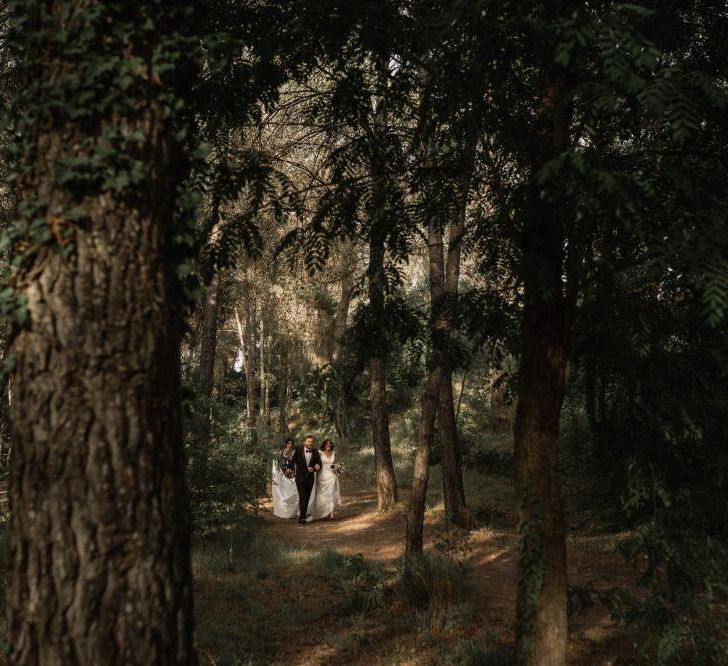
[[328, 495]]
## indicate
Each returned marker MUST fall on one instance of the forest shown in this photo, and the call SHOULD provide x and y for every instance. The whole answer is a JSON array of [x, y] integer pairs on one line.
[[480, 245]]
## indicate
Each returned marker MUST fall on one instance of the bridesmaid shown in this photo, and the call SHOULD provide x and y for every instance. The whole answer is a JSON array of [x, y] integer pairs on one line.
[[285, 495]]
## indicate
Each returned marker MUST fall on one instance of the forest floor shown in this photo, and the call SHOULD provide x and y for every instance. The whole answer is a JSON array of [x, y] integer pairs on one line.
[[329, 593]]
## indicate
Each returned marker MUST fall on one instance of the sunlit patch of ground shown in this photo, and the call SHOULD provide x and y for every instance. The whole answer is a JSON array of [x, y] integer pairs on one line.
[[492, 553]]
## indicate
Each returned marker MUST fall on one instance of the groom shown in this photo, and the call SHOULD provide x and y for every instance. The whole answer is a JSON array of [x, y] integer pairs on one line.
[[307, 461]]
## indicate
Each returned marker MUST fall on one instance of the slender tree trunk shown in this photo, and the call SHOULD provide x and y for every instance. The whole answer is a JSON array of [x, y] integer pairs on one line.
[[385, 479], [283, 394], [387, 495], [341, 417], [246, 336], [501, 412], [542, 629], [263, 368], [460, 398], [430, 398], [452, 475], [266, 396], [99, 566], [250, 329], [208, 337], [221, 384]]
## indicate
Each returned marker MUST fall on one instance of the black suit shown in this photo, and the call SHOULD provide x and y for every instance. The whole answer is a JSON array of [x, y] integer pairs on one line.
[[304, 478]]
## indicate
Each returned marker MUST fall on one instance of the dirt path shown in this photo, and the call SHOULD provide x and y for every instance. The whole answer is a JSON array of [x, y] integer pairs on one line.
[[358, 529]]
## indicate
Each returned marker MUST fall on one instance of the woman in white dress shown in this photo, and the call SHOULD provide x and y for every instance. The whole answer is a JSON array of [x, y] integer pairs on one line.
[[328, 495], [285, 495]]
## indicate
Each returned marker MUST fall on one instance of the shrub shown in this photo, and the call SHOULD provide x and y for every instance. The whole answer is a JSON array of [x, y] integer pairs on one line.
[[440, 585], [364, 586]]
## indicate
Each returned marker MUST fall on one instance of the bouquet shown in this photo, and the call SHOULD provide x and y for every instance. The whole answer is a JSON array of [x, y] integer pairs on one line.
[[338, 468], [287, 467]]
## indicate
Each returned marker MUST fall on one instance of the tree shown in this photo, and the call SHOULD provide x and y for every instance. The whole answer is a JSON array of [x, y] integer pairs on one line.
[[99, 529]]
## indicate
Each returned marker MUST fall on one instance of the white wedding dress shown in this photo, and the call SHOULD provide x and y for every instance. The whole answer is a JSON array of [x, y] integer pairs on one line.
[[285, 495], [327, 492]]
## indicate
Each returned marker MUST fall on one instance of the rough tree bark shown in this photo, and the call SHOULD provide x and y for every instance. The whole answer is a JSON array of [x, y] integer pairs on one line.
[[546, 340], [99, 567]]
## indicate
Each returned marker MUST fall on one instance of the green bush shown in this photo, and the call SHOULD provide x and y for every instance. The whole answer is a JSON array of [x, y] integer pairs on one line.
[[228, 468], [364, 586], [492, 461], [439, 587]]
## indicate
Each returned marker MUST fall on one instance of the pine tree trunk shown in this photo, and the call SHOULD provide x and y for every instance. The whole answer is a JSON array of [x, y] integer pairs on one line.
[[99, 565]]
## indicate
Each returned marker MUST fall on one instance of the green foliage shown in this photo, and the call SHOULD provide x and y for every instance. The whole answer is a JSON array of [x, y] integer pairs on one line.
[[91, 77], [227, 473], [492, 461], [439, 584], [364, 587]]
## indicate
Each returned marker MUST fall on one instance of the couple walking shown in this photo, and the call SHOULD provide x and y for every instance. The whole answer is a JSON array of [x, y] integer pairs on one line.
[[305, 483]]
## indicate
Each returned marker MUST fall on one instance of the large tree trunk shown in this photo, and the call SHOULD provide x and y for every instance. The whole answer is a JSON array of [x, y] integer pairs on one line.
[[542, 585], [386, 482], [542, 620], [99, 568]]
